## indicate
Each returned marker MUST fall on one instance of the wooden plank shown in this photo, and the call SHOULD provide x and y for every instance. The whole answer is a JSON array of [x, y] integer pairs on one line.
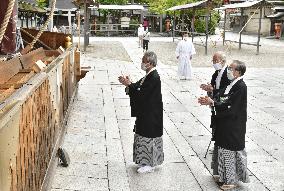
[[50, 53], [77, 56], [28, 60], [6, 93], [18, 80], [51, 39], [8, 69], [48, 60]]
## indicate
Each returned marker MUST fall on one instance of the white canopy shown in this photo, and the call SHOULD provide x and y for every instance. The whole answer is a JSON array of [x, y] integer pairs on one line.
[[245, 4], [276, 15], [187, 6], [119, 7], [279, 8]]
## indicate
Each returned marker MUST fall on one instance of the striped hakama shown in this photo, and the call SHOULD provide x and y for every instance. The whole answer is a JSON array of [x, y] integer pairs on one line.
[[232, 165], [148, 151]]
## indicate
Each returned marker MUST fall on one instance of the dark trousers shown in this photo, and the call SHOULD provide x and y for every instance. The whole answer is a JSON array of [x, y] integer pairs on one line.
[[145, 44]]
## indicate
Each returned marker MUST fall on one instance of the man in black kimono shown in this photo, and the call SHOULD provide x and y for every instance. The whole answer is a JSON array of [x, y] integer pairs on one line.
[[147, 106], [219, 81], [230, 106]]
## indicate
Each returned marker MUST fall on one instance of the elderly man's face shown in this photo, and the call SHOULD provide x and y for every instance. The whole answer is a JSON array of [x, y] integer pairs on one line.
[[145, 64], [232, 68], [216, 59]]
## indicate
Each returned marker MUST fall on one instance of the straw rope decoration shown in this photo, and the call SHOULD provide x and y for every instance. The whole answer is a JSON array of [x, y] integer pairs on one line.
[[44, 26], [6, 18]]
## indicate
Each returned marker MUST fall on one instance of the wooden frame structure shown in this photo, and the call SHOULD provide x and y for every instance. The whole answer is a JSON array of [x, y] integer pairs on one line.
[[194, 6], [33, 117], [87, 4], [245, 5], [114, 27]]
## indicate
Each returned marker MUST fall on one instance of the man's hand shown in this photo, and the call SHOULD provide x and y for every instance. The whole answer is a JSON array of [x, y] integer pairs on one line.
[[124, 80], [205, 101], [206, 87]]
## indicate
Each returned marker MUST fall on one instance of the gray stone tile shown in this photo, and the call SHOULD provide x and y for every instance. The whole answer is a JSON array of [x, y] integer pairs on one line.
[[100, 130], [88, 170], [79, 183], [163, 178]]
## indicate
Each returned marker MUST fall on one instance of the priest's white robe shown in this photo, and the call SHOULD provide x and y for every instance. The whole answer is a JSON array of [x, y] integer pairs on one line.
[[184, 51]]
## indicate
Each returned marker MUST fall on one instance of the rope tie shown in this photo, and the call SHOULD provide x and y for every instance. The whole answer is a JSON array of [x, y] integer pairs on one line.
[[45, 24], [6, 19]]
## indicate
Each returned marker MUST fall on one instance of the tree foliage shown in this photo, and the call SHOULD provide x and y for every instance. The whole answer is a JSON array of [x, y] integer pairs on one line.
[[42, 3]]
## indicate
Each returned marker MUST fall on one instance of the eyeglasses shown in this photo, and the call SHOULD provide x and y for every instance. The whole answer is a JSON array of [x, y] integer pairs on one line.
[[230, 68]]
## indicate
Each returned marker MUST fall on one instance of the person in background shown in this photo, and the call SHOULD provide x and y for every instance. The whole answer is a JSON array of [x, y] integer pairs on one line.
[[145, 23], [147, 106], [230, 109], [146, 39], [54, 29], [184, 52], [140, 35]]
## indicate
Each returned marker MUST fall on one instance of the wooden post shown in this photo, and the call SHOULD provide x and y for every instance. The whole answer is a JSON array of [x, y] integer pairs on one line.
[[161, 23], [206, 28], [85, 24], [141, 16], [224, 27], [108, 25], [192, 25], [241, 22], [174, 26], [27, 20], [259, 28], [79, 29], [88, 25], [182, 20]]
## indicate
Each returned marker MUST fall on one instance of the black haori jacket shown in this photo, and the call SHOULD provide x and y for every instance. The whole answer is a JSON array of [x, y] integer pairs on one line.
[[231, 117], [147, 106], [223, 83]]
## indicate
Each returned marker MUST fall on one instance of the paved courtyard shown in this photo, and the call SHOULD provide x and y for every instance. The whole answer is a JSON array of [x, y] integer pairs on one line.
[[99, 134]]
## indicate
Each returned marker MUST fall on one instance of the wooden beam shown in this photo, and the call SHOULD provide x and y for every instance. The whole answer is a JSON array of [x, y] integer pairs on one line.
[[206, 28], [8, 69], [174, 26], [85, 24], [224, 27], [192, 25], [241, 22]]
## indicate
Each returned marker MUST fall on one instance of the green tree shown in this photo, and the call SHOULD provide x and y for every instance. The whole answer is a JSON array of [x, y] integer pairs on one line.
[[42, 3]]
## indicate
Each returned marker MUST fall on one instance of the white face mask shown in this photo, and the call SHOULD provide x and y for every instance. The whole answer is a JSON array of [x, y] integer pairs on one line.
[[230, 75], [217, 66], [143, 66]]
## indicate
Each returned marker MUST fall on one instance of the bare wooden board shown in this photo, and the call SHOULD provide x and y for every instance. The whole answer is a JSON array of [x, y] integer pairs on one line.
[[18, 80], [8, 69], [4, 93]]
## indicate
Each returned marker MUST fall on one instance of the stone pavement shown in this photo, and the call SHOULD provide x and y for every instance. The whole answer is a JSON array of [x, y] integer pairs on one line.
[[99, 134]]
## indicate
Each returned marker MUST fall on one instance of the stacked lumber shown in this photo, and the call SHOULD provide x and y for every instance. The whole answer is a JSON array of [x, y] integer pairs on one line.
[[16, 72], [47, 39]]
